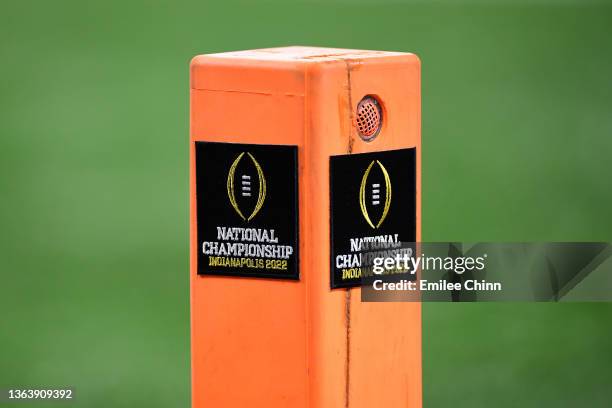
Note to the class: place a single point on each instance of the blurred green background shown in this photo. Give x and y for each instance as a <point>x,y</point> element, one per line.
<point>517,144</point>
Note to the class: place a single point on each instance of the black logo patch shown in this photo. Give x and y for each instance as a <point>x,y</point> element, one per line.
<point>373,210</point>
<point>247,210</point>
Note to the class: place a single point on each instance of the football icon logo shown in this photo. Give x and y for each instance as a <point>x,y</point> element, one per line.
<point>251,186</point>
<point>375,194</point>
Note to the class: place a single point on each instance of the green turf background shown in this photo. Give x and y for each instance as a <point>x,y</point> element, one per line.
<point>517,145</point>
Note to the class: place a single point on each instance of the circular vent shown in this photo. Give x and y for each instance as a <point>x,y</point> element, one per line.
<point>369,118</point>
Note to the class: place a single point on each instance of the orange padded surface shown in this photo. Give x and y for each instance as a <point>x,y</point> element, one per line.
<point>272,343</point>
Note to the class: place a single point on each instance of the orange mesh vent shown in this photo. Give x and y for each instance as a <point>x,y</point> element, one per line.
<point>369,118</point>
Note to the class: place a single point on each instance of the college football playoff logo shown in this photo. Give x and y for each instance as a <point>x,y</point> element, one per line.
<point>248,192</point>
<point>375,194</point>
